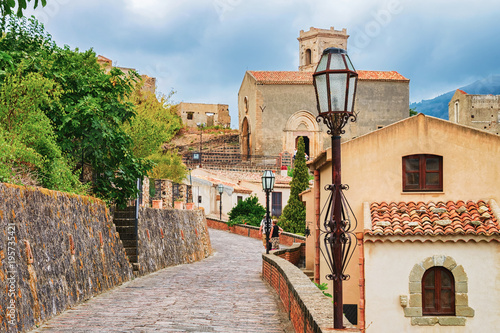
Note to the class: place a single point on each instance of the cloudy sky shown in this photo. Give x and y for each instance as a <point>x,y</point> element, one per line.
<point>202,48</point>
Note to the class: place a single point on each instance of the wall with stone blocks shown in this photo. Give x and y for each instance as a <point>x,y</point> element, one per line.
<point>308,309</point>
<point>56,250</point>
<point>59,249</point>
<point>169,237</point>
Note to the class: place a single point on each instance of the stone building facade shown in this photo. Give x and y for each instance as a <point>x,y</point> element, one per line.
<point>277,107</point>
<point>478,111</point>
<point>208,114</point>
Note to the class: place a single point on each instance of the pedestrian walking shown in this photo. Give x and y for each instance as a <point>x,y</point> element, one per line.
<point>275,235</point>
<point>262,231</point>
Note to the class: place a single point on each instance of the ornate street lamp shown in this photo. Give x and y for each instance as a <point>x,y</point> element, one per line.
<point>268,185</point>
<point>220,189</point>
<point>335,81</point>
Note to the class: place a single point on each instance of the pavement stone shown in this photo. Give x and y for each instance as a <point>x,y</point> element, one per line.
<point>223,293</point>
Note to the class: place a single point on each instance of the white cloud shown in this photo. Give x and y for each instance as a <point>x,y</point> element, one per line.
<point>161,11</point>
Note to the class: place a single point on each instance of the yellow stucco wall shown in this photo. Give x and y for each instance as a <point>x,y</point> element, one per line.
<point>372,167</point>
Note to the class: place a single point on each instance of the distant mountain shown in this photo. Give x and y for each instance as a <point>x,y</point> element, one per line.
<point>438,107</point>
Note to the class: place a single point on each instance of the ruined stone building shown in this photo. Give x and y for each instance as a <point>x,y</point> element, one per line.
<point>277,107</point>
<point>478,111</point>
<point>193,114</point>
<point>149,82</point>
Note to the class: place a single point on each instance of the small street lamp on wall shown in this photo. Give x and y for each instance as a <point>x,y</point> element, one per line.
<point>268,180</point>
<point>220,189</point>
<point>335,82</point>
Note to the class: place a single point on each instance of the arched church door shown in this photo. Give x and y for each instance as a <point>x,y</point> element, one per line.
<point>306,144</point>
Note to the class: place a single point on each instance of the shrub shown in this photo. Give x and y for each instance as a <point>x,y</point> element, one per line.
<point>248,211</point>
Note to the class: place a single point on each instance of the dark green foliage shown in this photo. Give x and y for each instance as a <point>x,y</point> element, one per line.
<point>7,6</point>
<point>248,211</point>
<point>28,149</point>
<point>90,109</point>
<point>293,218</point>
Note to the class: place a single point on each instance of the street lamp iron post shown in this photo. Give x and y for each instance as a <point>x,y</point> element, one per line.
<point>335,82</point>
<point>220,189</point>
<point>268,180</point>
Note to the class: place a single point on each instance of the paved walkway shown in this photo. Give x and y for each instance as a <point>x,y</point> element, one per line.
<point>223,293</point>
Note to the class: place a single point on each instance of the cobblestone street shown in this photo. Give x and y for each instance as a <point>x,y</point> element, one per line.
<point>223,293</point>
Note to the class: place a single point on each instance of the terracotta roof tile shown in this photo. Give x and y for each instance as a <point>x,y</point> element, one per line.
<point>433,219</point>
<point>381,76</point>
<point>295,77</point>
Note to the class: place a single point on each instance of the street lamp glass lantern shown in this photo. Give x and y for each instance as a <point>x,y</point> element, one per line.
<point>335,81</point>
<point>220,188</point>
<point>268,180</point>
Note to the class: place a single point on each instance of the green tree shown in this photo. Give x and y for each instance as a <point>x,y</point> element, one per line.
<point>248,211</point>
<point>7,6</point>
<point>293,218</point>
<point>90,111</point>
<point>413,112</point>
<point>29,152</point>
<point>155,124</point>
<point>156,121</point>
<point>168,165</point>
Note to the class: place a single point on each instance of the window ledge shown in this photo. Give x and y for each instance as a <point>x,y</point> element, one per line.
<point>442,321</point>
<point>423,192</point>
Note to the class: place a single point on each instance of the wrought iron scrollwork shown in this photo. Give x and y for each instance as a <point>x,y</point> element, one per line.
<point>336,121</point>
<point>345,237</point>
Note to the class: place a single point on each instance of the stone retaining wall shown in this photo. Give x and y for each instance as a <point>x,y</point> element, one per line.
<point>56,250</point>
<point>308,309</point>
<point>169,237</point>
<point>59,249</point>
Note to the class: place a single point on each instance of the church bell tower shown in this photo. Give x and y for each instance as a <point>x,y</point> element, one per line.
<point>313,42</point>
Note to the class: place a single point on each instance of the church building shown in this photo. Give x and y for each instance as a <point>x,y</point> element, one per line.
<point>275,108</point>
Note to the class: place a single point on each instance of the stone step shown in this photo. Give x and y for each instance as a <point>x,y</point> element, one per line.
<point>133,258</point>
<point>128,236</point>
<point>309,273</point>
<point>124,222</point>
<point>131,250</point>
<point>129,243</point>
<point>126,229</point>
<point>124,214</point>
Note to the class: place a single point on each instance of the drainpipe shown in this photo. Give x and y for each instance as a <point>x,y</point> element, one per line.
<point>317,212</point>
<point>361,321</point>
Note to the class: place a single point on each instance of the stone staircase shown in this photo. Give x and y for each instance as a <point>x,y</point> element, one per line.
<point>309,273</point>
<point>124,220</point>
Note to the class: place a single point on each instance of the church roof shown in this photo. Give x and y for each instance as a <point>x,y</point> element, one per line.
<point>282,77</point>
<point>432,219</point>
<point>296,77</point>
